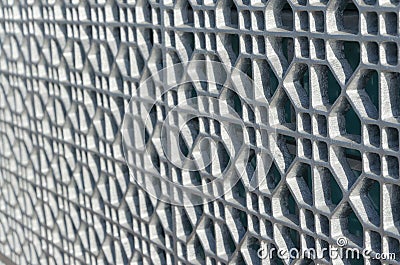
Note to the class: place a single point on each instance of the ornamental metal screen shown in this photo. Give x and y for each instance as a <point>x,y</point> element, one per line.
<point>306,141</point>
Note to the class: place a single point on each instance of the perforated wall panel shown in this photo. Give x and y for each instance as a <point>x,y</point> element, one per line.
<point>320,122</point>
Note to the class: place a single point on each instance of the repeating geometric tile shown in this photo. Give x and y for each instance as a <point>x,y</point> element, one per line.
<point>329,71</point>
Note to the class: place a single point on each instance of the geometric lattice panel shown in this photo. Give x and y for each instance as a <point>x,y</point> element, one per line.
<point>327,81</point>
